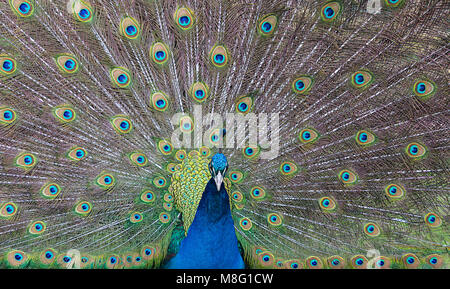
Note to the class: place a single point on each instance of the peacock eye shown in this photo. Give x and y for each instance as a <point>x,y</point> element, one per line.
<point>159,101</point>
<point>244,104</point>
<point>82,11</point>
<point>219,56</point>
<point>129,27</point>
<point>121,77</point>
<point>7,65</point>
<point>67,64</point>
<point>364,138</point>
<point>416,150</point>
<point>184,18</point>
<point>105,180</point>
<point>330,11</point>
<point>23,8</point>
<point>7,116</point>
<point>138,159</point>
<point>245,224</point>
<point>348,177</point>
<point>136,217</point>
<point>267,25</point>
<point>393,3</point>
<point>372,229</point>
<point>288,168</point>
<point>302,85</point>
<point>64,114</point>
<point>159,53</point>
<point>361,79</point>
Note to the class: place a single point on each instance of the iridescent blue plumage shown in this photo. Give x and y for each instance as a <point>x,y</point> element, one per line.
<point>211,241</point>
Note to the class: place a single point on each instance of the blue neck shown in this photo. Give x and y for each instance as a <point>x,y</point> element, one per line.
<point>211,242</point>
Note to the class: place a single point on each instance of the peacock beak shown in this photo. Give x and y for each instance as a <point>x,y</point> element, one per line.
<point>219,180</point>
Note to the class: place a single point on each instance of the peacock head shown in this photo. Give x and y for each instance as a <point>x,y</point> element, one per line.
<point>218,167</point>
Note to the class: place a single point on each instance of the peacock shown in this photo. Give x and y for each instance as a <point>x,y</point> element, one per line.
<point>280,134</point>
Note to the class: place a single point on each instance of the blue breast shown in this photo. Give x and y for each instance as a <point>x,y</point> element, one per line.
<point>211,242</point>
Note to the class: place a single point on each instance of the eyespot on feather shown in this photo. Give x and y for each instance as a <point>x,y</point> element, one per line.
<point>215,138</point>
<point>244,104</point>
<point>159,53</point>
<point>361,79</point>
<point>77,154</point>
<point>313,262</point>
<point>308,135</point>
<point>186,124</point>
<point>159,101</point>
<point>424,89</point>
<point>7,116</point>
<point>434,260</point>
<point>205,151</point>
<point>336,262</point>
<point>37,228</point>
<point>67,63</point>
<point>393,3</point>
<point>164,218</point>
<point>236,177</point>
<point>237,197</point>
<point>26,161</point>
<point>199,91</point>
<point>105,180</point>
<point>274,219</point>
<point>293,264</point>
<point>22,8</point>
<point>394,191</point>
<point>50,191</point>
<point>302,84</point>
<point>48,256</point>
<point>365,138</point>
<point>120,77</point>
<point>347,177</point>
<point>266,259</point>
<point>129,27</point>
<point>371,229</point>
<point>410,261</point>
<point>17,258</point>
<point>165,147</point>
<point>168,206</point>
<point>64,114</point>
<point>330,11</point>
<point>147,196</point>
<point>359,262</point>
<point>83,208</point>
<point>168,197</point>
<point>433,220</point>
<point>8,65</point>
<point>8,210</point>
<point>382,262</point>
<point>82,11</point>
<point>121,124</point>
<point>113,262</point>
<point>136,217</point>
<point>159,182</point>
<point>245,224</point>
<point>327,204</point>
<point>251,152</point>
<point>184,18</point>
<point>219,56</point>
<point>288,168</point>
<point>257,193</point>
<point>267,25</point>
<point>138,159</point>
<point>416,150</point>
<point>148,252</point>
